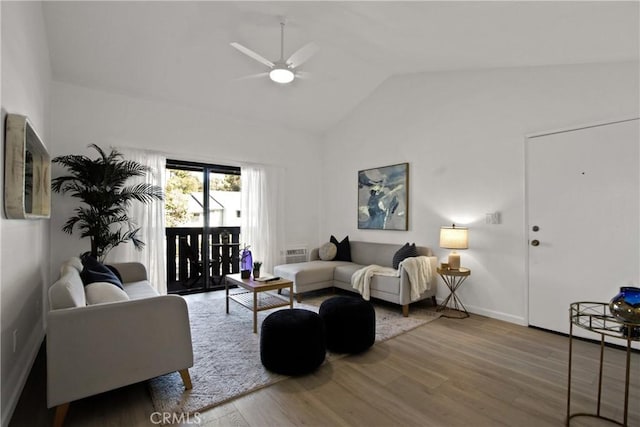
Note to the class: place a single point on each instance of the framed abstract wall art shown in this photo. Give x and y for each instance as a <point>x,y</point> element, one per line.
<point>383,198</point>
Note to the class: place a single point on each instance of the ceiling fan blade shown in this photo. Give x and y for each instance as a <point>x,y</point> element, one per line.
<point>301,56</point>
<point>251,77</point>
<point>303,75</point>
<point>253,55</point>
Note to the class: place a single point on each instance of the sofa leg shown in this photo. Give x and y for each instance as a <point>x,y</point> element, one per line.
<point>433,301</point>
<point>405,310</point>
<point>299,298</point>
<point>186,379</point>
<point>61,413</point>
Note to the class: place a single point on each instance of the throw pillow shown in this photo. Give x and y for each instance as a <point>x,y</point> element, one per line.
<point>115,271</point>
<point>88,260</point>
<point>95,271</point>
<point>328,251</point>
<point>408,250</point>
<point>104,292</point>
<point>343,249</point>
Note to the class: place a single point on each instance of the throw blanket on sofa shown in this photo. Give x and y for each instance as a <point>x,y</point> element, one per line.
<point>361,279</point>
<point>418,270</point>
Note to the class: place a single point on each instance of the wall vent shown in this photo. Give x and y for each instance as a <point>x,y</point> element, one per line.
<point>297,254</point>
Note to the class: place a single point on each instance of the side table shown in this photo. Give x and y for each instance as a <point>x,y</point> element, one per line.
<point>453,279</point>
<point>596,317</point>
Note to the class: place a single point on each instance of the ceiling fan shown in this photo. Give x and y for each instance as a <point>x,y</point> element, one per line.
<point>282,71</point>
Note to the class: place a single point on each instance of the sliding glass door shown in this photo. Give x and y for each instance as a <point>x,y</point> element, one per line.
<point>203,225</point>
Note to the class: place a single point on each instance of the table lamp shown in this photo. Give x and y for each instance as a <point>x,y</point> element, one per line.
<point>454,238</point>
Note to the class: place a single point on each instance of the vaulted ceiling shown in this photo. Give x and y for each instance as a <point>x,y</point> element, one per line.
<point>179,52</point>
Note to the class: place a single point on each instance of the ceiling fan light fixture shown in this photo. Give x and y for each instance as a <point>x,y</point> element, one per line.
<point>281,74</point>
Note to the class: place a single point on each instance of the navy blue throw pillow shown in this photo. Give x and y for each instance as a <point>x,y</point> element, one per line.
<point>407,251</point>
<point>344,249</point>
<point>95,271</point>
<point>114,271</point>
<point>88,260</point>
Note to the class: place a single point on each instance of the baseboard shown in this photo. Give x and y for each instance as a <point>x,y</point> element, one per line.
<point>32,348</point>
<point>518,320</point>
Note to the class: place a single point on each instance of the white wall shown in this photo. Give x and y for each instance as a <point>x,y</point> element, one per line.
<point>463,136</point>
<point>82,116</point>
<point>24,255</point>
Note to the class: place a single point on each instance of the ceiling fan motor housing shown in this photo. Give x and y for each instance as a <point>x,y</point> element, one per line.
<point>281,73</point>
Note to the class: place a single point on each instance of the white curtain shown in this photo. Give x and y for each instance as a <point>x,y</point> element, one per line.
<point>150,217</point>
<point>262,214</point>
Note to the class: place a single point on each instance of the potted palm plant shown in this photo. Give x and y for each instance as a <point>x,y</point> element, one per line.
<point>100,184</point>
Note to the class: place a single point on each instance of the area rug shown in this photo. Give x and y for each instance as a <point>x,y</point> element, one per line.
<point>227,352</point>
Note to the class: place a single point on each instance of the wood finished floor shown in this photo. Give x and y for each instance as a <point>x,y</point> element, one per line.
<point>451,372</point>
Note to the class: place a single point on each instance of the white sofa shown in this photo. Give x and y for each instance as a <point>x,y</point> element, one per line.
<point>317,274</point>
<point>123,338</point>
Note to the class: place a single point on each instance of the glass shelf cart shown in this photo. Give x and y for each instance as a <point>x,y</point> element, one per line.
<point>596,317</point>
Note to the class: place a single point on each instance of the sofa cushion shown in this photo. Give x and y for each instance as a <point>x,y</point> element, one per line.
<point>344,249</point>
<point>104,292</point>
<point>408,250</point>
<point>139,290</point>
<point>367,253</point>
<point>387,284</point>
<point>68,290</point>
<point>328,251</point>
<point>302,273</point>
<point>343,273</point>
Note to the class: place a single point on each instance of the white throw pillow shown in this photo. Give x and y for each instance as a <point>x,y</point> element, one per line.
<point>328,251</point>
<point>104,292</point>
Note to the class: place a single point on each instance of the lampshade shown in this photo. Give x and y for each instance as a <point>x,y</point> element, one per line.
<point>454,237</point>
<point>281,74</point>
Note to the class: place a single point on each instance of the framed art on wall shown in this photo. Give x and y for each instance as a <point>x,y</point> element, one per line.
<point>383,198</point>
<point>27,171</point>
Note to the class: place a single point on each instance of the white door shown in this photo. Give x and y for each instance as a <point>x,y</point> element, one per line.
<point>583,195</point>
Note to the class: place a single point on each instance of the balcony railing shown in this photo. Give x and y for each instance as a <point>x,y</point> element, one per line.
<point>197,260</point>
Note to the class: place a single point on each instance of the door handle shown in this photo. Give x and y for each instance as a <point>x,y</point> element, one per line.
<point>535,242</point>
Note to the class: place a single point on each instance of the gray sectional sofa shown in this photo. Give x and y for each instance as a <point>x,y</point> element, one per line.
<point>317,274</point>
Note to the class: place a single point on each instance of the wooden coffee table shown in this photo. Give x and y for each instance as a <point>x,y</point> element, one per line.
<point>250,298</point>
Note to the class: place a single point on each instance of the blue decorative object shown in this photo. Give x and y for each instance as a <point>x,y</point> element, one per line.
<point>626,307</point>
<point>246,263</point>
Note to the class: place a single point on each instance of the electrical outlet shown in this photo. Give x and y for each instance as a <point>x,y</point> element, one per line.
<point>15,340</point>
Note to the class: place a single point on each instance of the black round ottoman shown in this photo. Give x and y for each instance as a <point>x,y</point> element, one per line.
<point>292,341</point>
<point>350,324</point>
